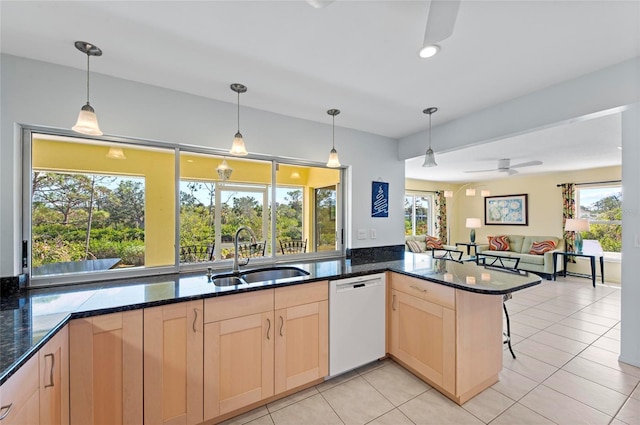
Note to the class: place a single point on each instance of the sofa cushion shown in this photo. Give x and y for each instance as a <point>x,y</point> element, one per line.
<point>539,248</point>
<point>528,241</point>
<point>530,259</point>
<point>498,243</point>
<point>515,243</point>
<point>433,242</point>
<point>414,246</point>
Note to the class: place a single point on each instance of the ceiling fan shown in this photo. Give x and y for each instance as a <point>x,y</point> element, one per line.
<point>504,166</point>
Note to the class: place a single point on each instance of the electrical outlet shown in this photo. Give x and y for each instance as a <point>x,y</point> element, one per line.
<point>362,234</point>
<point>373,233</point>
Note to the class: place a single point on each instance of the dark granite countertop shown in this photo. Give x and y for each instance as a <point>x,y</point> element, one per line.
<point>32,317</point>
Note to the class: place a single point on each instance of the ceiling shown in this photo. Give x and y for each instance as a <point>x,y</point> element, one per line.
<point>358,56</point>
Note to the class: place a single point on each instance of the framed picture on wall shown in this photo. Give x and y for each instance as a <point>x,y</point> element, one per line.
<point>511,210</point>
<point>380,199</point>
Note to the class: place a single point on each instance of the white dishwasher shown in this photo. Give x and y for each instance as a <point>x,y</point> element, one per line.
<point>356,322</point>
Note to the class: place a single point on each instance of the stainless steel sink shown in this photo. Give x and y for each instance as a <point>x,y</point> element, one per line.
<point>228,281</point>
<point>262,275</point>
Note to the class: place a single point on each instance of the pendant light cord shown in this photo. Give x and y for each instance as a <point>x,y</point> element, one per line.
<point>88,78</point>
<point>333,134</point>
<point>238,111</point>
<point>430,130</point>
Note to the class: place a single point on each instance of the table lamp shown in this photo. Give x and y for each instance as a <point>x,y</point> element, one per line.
<point>577,225</point>
<point>473,224</point>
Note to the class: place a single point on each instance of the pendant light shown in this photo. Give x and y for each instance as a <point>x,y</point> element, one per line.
<point>429,158</point>
<point>116,153</point>
<point>87,121</point>
<point>238,148</point>
<point>333,162</point>
<point>224,171</point>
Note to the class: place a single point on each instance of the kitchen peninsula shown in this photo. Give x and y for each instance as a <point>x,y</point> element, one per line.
<point>460,306</point>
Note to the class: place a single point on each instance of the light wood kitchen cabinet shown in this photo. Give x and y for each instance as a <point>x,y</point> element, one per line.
<point>302,334</point>
<point>422,337</point>
<point>449,337</point>
<point>19,396</point>
<point>106,374</point>
<point>239,336</point>
<point>54,379</point>
<point>173,368</point>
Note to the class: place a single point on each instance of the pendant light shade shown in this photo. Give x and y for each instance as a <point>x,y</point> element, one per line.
<point>238,148</point>
<point>429,157</point>
<point>116,153</point>
<point>333,162</point>
<point>87,121</point>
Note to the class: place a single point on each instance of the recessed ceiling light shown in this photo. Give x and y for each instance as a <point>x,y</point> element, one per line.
<point>429,51</point>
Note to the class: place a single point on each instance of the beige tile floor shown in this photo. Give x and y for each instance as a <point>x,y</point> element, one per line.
<point>566,338</point>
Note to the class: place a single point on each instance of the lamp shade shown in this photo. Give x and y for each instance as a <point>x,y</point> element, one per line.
<point>473,223</point>
<point>87,122</point>
<point>448,193</point>
<point>238,148</point>
<point>576,225</point>
<point>429,159</point>
<point>333,161</point>
<point>116,153</point>
<point>470,192</point>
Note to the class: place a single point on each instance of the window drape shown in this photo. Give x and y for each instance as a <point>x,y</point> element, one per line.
<point>441,217</point>
<point>568,211</point>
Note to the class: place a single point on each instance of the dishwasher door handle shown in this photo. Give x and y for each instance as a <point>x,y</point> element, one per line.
<point>343,287</point>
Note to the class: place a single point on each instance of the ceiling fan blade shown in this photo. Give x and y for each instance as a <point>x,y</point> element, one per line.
<point>511,172</point>
<point>440,20</point>
<point>482,171</point>
<point>527,164</point>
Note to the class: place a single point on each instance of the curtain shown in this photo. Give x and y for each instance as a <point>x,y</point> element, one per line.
<point>441,216</point>
<point>568,211</point>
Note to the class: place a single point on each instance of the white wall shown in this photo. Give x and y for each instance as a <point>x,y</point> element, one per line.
<point>38,93</point>
<point>630,332</point>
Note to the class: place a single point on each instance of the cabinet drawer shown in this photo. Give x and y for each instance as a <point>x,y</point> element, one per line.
<point>17,393</point>
<point>306,293</point>
<point>228,307</point>
<point>429,291</point>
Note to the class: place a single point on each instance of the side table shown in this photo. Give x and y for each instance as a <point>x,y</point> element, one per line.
<point>591,257</point>
<point>469,245</point>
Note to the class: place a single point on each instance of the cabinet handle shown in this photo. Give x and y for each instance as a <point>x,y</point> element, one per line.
<point>195,312</point>
<point>281,325</point>
<point>53,363</point>
<point>418,289</point>
<point>393,303</point>
<point>7,409</point>
<point>268,328</point>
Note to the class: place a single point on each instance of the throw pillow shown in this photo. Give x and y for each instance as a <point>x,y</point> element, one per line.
<point>540,248</point>
<point>414,246</point>
<point>433,242</point>
<point>498,243</point>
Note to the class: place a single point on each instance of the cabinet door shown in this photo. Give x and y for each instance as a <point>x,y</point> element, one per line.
<point>19,396</point>
<point>106,373</point>
<point>173,344</point>
<point>423,337</point>
<point>301,345</point>
<point>238,362</point>
<point>54,379</point>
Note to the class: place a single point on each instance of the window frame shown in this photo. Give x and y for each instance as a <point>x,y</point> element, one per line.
<point>609,255</point>
<point>431,196</point>
<point>28,132</point>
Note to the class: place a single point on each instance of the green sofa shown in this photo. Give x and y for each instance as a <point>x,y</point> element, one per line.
<point>519,247</point>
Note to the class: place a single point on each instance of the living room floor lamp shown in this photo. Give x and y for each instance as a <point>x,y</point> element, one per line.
<point>473,224</point>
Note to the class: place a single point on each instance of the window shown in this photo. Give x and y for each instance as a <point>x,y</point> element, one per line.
<point>94,212</point>
<point>603,207</point>
<point>418,214</point>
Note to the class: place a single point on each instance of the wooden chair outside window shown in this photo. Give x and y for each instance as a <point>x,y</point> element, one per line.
<point>252,250</point>
<point>293,247</point>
